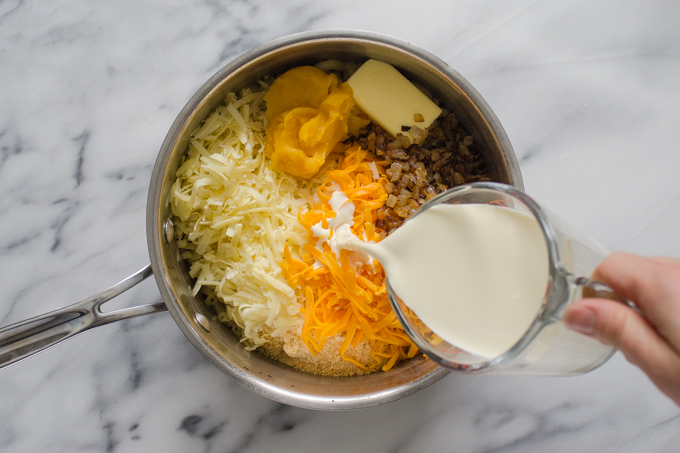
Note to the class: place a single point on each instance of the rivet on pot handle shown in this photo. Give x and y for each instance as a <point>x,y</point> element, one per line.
<point>33,335</point>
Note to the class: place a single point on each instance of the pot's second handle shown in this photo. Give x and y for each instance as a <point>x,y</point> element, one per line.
<point>26,338</point>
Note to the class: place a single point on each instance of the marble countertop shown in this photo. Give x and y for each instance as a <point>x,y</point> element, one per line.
<point>588,93</point>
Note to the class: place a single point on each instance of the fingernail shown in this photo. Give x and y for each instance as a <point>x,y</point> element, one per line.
<point>582,320</point>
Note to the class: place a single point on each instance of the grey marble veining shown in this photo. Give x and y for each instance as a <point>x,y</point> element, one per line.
<point>588,93</point>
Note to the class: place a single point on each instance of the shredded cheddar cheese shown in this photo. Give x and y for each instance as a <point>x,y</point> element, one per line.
<point>343,294</point>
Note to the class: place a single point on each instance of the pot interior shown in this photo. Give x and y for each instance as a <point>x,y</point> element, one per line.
<point>218,343</point>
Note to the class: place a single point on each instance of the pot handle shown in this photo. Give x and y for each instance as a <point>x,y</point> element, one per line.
<point>33,335</point>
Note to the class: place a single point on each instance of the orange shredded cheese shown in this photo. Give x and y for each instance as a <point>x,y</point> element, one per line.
<point>341,297</point>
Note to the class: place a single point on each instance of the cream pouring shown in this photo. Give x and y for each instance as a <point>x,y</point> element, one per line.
<point>475,274</point>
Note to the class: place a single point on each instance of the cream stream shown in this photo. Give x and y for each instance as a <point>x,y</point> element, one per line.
<point>475,274</point>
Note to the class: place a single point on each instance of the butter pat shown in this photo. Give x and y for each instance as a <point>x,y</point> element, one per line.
<point>391,100</point>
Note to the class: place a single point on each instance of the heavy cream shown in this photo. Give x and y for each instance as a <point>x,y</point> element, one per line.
<point>475,274</point>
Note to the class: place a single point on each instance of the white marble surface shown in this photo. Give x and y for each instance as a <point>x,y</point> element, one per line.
<point>588,93</point>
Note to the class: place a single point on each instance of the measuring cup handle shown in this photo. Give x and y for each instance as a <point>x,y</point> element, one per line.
<point>31,336</point>
<point>592,288</point>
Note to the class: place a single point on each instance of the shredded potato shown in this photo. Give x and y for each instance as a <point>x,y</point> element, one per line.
<point>233,217</point>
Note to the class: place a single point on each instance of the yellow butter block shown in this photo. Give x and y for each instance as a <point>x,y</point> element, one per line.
<point>391,100</point>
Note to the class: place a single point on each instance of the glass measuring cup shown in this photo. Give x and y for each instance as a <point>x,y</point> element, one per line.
<point>548,347</point>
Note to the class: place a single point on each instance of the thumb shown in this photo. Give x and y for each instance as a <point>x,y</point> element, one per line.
<point>617,325</point>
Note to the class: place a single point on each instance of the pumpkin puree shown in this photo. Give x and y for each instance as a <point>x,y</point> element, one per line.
<point>309,112</point>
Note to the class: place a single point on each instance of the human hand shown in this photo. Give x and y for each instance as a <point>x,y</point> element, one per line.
<point>651,342</point>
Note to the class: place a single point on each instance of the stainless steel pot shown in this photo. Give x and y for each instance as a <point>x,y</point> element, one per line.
<point>216,342</point>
